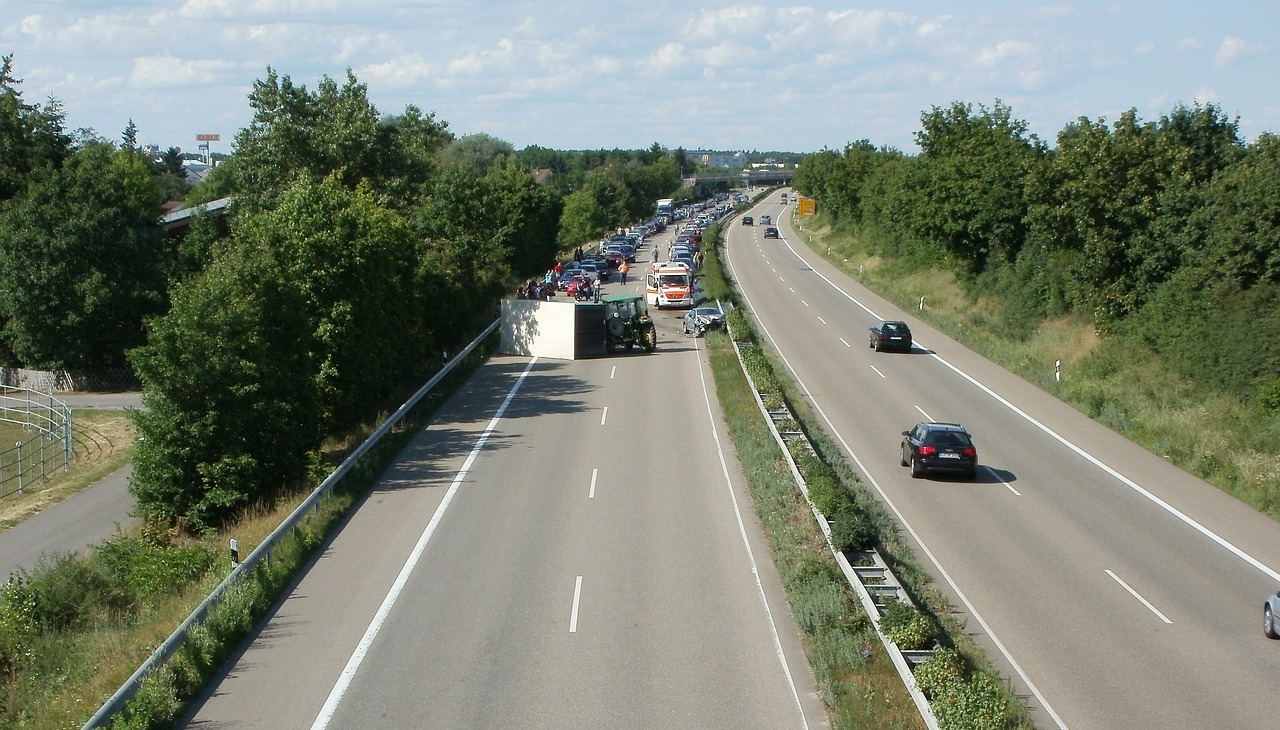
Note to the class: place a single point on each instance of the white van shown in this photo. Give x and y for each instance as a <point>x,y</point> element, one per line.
<point>669,284</point>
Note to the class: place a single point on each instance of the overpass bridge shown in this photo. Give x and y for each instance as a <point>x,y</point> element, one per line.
<point>746,177</point>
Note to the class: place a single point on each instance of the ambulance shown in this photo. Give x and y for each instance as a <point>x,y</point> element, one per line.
<point>669,284</point>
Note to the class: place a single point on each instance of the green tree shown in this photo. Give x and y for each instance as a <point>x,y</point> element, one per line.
<point>583,218</point>
<point>523,215</point>
<point>229,392</point>
<point>171,175</point>
<point>974,200</point>
<point>353,262</point>
<point>409,146</point>
<point>477,153</point>
<point>31,137</point>
<point>296,133</point>
<point>1118,201</point>
<point>82,261</point>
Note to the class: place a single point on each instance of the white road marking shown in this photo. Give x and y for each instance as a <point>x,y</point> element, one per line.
<point>1136,595</point>
<point>577,598</point>
<point>884,496</point>
<point>820,319</point>
<point>592,492</point>
<point>846,344</point>
<point>362,649</point>
<point>877,371</point>
<point>804,302</point>
<point>746,543</point>
<point>604,414</point>
<point>1186,519</point>
<point>927,417</point>
<point>612,371</point>
<point>1007,485</point>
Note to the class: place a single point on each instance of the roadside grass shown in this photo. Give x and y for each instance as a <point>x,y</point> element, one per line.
<point>1230,443</point>
<point>857,679</point>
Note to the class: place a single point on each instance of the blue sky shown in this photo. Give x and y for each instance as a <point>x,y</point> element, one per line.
<point>573,74</point>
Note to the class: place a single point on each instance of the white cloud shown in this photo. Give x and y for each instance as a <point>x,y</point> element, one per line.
<point>1232,48</point>
<point>401,72</point>
<point>669,57</point>
<point>162,72</point>
<point>1204,96</point>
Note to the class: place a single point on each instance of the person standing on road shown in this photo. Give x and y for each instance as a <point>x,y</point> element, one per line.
<point>655,253</point>
<point>623,268</point>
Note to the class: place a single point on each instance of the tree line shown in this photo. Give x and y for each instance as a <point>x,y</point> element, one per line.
<point>1165,232</point>
<point>357,248</point>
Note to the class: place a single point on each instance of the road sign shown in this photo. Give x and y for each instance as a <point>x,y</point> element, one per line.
<point>208,137</point>
<point>806,206</point>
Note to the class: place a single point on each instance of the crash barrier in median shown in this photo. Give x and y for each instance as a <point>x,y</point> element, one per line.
<point>50,446</point>
<point>875,584</point>
<point>262,553</point>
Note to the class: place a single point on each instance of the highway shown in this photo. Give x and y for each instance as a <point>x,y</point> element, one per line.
<point>568,544</point>
<point>1113,589</point>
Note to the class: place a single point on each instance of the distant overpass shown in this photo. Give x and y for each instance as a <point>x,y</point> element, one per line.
<point>752,177</point>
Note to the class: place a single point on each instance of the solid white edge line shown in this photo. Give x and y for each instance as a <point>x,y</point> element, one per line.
<point>1138,596</point>
<point>746,543</point>
<point>573,613</point>
<point>1004,651</point>
<point>1221,541</point>
<point>362,649</point>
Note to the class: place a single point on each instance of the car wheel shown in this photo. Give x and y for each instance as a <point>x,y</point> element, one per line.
<point>871,342</point>
<point>916,470</point>
<point>902,457</point>
<point>1269,623</point>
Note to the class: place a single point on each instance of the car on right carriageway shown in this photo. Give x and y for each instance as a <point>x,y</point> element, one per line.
<point>933,447</point>
<point>890,335</point>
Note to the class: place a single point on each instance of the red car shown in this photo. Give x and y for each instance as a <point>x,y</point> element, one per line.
<point>577,282</point>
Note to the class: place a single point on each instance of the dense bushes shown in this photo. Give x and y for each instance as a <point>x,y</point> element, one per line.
<point>1164,230</point>
<point>115,584</point>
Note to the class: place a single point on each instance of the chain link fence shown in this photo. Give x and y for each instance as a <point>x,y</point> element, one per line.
<point>70,381</point>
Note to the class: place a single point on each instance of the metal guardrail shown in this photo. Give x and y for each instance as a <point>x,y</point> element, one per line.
<point>902,659</point>
<point>52,445</point>
<point>171,645</point>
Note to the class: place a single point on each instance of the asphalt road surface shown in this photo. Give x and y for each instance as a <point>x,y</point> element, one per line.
<point>569,544</point>
<point>87,518</point>
<point>1114,590</point>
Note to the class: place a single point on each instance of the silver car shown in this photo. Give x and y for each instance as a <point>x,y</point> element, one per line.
<point>700,319</point>
<point>1269,611</point>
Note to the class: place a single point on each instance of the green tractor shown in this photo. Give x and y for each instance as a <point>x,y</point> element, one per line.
<point>627,323</point>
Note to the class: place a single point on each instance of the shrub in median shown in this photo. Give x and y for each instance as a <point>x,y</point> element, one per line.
<point>907,627</point>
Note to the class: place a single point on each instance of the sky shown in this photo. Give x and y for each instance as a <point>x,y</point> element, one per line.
<point>585,74</point>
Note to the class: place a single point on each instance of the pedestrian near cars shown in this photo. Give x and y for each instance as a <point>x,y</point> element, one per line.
<point>623,268</point>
